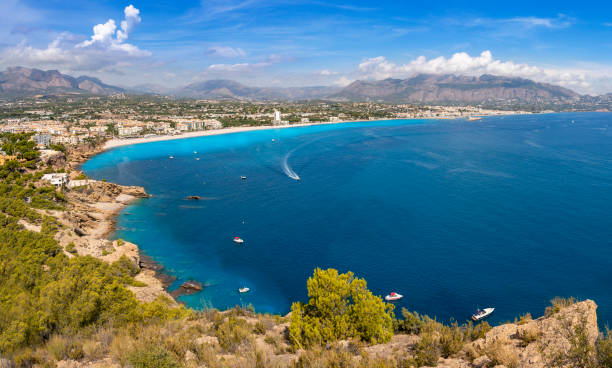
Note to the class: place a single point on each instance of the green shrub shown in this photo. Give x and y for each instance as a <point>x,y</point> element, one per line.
<point>70,248</point>
<point>427,351</point>
<point>604,349</point>
<point>412,322</point>
<point>153,357</point>
<point>477,332</point>
<point>339,307</point>
<point>232,333</point>
<point>451,340</point>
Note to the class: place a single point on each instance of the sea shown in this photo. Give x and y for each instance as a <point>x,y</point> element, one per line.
<point>505,212</point>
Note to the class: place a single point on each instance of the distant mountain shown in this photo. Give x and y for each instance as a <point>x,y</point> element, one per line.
<point>423,88</point>
<point>231,90</point>
<point>430,88</point>
<point>20,81</point>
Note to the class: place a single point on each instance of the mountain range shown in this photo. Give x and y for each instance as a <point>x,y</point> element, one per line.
<point>422,88</point>
<point>452,88</point>
<point>20,81</point>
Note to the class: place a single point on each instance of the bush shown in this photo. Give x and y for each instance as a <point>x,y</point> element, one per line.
<point>259,328</point>
<point>479,331</point>
<point>528,335</point>
<point>153,357</point>
<point>525,318</point>
<point>70,248</point>
<point>451,340</point>
<point>412,322</point>
<point>501,353</point>
<point>558,303</point>
<point>339,307</point>
<point>232,333</point>
<point>427,351</point>
<point>604,349</point>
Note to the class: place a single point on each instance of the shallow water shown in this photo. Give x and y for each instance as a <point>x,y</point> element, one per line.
<point>505,212</point>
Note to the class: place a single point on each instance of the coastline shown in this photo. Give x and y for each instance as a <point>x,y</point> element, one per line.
<point>118,142</point>
<point>115,142</point>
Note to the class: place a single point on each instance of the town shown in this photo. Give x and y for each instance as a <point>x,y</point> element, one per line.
<point>82,119</point>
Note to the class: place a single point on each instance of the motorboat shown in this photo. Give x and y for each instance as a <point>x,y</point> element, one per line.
<point>243,177</point>
<point>482,313</point>
<point>393,297</point>
<point>243,290</point>
<point>171,157</point>
<point>238,240</point>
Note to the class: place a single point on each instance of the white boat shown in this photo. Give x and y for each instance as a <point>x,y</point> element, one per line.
<point>243,177</point>
<point>171,157</point>
<point>238,240</point>
<point>482,313</point>
<point>393,297</point>
<point>243,290</point>
<point>197,159</point>
<point>474,118</point>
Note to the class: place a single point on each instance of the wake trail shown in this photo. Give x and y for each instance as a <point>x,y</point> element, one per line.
<point>285,164</point>
<point>287,169</point>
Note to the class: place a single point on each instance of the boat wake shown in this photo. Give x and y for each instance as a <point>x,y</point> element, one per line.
<point>287,169</point>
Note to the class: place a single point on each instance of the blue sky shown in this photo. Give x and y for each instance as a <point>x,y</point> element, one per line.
<point>295,43</point>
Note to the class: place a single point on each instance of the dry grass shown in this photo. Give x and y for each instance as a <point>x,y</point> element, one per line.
<point>501,352</point>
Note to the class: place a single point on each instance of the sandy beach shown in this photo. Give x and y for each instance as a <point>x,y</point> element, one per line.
<point>129,141</point>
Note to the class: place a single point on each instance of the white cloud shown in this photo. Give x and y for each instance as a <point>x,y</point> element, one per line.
<point>109,37</point>
<point>226,52</point>
<point>462,63</point>
<point>105,50</point>
<point>327,72</point>
<point>343,81</point>
<point>561,21</point>
<point>245,67</point>
<point>132,17</point>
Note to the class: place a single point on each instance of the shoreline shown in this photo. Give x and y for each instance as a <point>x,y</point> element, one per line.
<point>117,142</point>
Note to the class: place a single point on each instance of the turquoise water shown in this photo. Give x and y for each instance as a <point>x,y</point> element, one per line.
<point>505,212</point>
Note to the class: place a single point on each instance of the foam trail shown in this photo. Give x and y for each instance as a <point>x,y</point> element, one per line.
<point>285,165</point>
<point>287,169</point>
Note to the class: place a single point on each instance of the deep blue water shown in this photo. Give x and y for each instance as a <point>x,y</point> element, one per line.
<point>506,212</point>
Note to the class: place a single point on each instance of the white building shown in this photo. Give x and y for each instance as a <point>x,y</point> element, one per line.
<point>277,116</point>
<point>212,124</point>
<point>57,179</point>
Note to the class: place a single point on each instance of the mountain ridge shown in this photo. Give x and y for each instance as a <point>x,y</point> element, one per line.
<point>451,88</point>
<point>421,88</point>
<point>19,81</point>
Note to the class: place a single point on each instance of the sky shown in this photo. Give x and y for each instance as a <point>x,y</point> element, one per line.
<point>310,43</point>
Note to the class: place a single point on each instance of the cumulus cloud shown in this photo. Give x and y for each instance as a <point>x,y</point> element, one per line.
<point>462,63</point>
<point>105,50</point>
<point>225,52</point>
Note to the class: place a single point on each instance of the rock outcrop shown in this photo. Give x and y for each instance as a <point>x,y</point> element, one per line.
<point>539,343</point>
